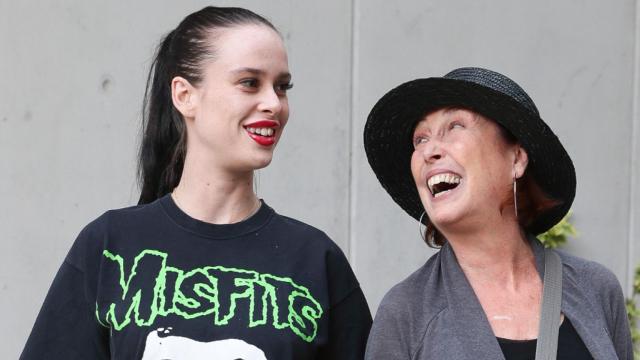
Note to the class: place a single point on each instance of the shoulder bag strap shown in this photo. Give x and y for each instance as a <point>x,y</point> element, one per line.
<point>547,344</point>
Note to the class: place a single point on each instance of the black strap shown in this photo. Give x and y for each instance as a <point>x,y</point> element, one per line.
<point>547,344</point>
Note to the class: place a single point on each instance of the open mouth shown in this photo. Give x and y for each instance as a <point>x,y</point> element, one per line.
<point>262,132</point>
<point>441,184</point>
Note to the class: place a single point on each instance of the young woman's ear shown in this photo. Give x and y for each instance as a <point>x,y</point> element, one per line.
<point>520,162</point>
<point>183,95</point>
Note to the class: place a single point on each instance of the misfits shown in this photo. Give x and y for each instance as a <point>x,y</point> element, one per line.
<point>151,288</point>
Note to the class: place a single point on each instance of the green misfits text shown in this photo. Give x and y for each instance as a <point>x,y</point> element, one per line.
<point>151,288</point>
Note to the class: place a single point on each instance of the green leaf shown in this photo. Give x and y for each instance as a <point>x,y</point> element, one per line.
<point>557,235</point>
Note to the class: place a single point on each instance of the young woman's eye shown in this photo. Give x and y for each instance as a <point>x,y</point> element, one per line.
<point>249,83</point>
<point>283,88</point>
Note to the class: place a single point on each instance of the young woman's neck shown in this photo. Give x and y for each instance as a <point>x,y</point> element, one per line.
<point>214,195</point>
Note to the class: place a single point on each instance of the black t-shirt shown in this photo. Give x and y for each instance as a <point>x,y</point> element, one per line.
<point>150,282</point>
<point>570,346</point>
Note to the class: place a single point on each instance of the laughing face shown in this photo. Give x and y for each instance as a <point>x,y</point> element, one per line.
<point>237,113</point>
<point>463,168</point>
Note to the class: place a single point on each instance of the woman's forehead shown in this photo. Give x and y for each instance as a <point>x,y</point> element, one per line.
<point>238,41</point>
<point>248,49</point>
<point>445,114</point>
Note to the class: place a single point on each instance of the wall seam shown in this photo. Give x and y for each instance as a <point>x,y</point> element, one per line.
<point>352,136</point>
<point>634,176</point>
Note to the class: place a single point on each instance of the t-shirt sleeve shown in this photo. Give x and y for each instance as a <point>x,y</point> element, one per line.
<point>349,315</point>
<point>350,322</point>
<point>66,326</point>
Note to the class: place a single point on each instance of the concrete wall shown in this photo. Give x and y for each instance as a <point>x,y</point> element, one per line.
<point>73,75</point>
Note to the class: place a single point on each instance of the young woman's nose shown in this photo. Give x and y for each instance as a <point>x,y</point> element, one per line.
<point>270,102</point>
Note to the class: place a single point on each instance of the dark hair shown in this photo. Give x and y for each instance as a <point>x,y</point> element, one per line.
<point>532,200</point>
<point>181,53</point>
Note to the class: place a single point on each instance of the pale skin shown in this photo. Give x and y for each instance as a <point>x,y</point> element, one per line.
<point>478,218</point>
<point>246,81</point>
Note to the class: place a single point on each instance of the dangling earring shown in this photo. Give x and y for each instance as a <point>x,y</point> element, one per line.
<point>515,195</point>
<point>422,233</point>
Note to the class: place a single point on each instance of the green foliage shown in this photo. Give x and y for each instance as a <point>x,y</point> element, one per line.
<point>557,235</point>
<point>633,313</point>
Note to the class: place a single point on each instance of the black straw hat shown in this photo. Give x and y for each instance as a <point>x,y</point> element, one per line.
<point>389,130</point>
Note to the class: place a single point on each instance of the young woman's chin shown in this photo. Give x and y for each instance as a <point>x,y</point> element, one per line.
<point>262,163</point>
<point>255,162</point>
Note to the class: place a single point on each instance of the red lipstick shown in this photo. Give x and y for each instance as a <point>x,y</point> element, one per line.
<point>264,140</point>
<point>263,124</point>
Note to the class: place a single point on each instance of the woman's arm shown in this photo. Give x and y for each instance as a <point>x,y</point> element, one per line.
<point>349,325</point>
<point>387,339</point>
<point>619,329</point>
<point>349,315</point>
<point>66,327</point>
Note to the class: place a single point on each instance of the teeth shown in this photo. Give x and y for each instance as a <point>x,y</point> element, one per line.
<point>261,131</point>
<point>440,178</point>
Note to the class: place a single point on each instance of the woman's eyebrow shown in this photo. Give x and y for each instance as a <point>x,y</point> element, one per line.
<point>248,70</point>
<point>259,72</point>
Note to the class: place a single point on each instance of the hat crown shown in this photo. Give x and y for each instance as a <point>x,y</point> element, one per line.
<point>496,82</point>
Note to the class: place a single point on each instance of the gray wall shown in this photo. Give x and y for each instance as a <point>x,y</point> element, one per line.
<point>73,74</point>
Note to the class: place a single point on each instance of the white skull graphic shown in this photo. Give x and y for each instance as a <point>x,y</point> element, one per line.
<point>171,347</point>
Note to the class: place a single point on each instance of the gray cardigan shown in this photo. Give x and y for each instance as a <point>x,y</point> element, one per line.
<point>434,313</point>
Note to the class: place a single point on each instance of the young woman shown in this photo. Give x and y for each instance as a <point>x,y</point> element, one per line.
<point>202,268</point>
<point>469,156</point>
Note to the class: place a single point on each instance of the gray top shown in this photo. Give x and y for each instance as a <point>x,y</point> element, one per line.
<point>434,313</point>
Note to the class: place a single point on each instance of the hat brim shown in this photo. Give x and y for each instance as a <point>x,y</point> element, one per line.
<point>389,130</point>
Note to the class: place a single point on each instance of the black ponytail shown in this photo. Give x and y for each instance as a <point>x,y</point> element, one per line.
<point>164,136</point>
<point>181,53</point>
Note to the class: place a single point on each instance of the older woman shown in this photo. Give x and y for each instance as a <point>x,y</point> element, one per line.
<point>469,157</point>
